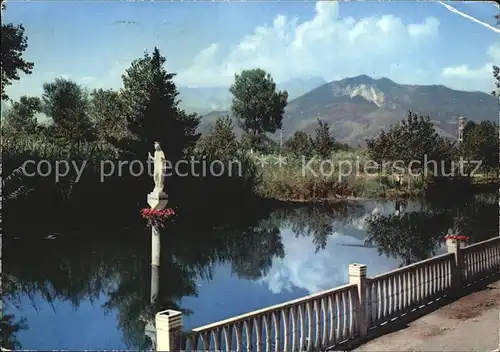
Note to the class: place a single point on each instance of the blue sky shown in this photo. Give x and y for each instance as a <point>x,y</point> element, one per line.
<point>206,43</point>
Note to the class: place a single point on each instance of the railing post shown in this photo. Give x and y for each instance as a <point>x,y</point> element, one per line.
<point>168,330</point>
<point>357,276</point>
<point>458,270</point>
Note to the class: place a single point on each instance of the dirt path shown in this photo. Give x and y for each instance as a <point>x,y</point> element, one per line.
<point>470,324</point>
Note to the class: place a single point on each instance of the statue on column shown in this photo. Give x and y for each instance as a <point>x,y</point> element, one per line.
<point>159,166</point>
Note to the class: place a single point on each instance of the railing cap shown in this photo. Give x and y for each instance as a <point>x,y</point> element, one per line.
<point>170,313</point>
<point>168,319</point>
<point>357,269</point>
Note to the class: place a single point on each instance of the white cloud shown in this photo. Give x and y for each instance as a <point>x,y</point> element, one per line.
<point>328,45</point>
<point>469,78</point>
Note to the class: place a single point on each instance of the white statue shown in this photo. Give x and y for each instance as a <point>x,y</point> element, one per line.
<point>159,166</point>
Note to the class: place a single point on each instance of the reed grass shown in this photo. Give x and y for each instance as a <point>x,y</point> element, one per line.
<point>339,176</point>
<point>40,148</point>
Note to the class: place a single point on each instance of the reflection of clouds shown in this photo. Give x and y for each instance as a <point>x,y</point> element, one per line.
<point>303,268</point>
<point>372,209</point>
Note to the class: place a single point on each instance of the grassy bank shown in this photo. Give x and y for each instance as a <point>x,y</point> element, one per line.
<point>296,178</point>
<point>342,177</point>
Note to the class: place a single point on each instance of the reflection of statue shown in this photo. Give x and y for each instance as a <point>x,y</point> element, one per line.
<point>159,165</point>
<point>400,207</point>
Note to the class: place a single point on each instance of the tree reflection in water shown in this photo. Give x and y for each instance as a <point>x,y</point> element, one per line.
<point>84,268</point>
<point>418,235</point>
<point>9,327</point>
<point>318,220</point>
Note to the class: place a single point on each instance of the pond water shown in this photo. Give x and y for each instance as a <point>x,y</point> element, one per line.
<point>92,291</point>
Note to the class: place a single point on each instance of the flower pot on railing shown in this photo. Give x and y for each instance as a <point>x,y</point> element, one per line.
<point>456,240</point>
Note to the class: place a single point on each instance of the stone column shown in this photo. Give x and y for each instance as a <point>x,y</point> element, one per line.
<point>157,201</point>
<point>357,276</point>
<point>455,246</point>
<point>168,330</point>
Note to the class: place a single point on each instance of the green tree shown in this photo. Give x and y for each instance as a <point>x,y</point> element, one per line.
<point>256,104</point>
<point>67,104</point>
<point>300,144</point>
<point>261,143</point>
<point>220,142</point>
<point>380,148</point>
<point>107,112</point>
<point>413,139</point>
<point>20,118</point>
<point>152,112</point>
<point>481,143</point>
<point>324,143</point>
<point>496,74</point>
<point>14,44</point>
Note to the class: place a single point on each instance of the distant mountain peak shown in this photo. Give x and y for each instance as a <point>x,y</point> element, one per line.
<point>359,107</point>
<point>361,79</point>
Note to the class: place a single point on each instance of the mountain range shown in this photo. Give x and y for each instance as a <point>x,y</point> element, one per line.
<point>356,107</point>
<point>359,107</point>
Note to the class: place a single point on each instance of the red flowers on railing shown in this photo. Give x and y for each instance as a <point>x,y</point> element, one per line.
<point>457,237</point>
<point>157,217</point>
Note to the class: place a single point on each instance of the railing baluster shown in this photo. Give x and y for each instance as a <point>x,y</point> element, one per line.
<point>317,324</point>
<point>434,289</point>
<point>380,301</point>
<point>275,317</point>
<point>400,292</point>
<point>295,332</point>
<point>428,277</point>
<point>385,298</point>
<point>345,309</point>
<point>194,342</point>
<point>352,296</point>
<point>217,336</point>
<point>238,327</point>
<point>267,330</point>
<point>206,341</point>
<point>310,322</point>
<point>406,278</point>
<point>324,323</point>
<point>390,296</point>
<point>257,325</point>
<point>338,317</point>
<point>247,328</point>
<point>331,335</point>
<point>285,316</point>
<point>369,298</point>
<point>302,327</point>
<point>226,333</point>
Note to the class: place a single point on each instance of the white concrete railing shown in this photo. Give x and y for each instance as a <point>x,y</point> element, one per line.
<point>326,319</point>
<point>312,322</point>
<point>481,260</point>
<point>400,291</point>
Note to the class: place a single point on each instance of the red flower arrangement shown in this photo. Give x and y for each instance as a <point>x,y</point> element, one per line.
<point>457,237</point>
<point>157,217</point>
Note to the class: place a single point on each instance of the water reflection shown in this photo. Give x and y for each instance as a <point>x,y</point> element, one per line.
<point>98,292</point>
<point>418,234</point>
